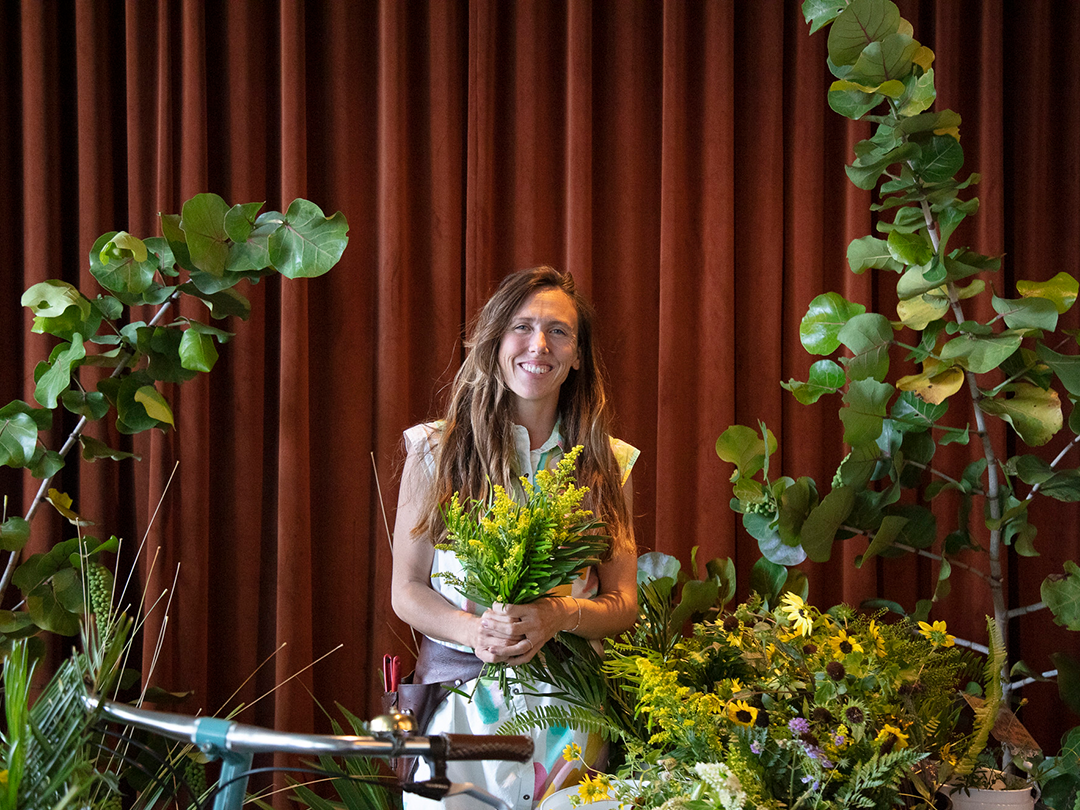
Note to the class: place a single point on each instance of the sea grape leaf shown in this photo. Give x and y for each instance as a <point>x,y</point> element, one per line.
<point>1034,413</point>
<point>981,353</point>
<point>119,270</point>
<point>197,351</point>
<point>93,449</point>
<point>821,525</point>
<point>861,23</point>
<point>1061,593</point>
<point>883,538</point>
<point>919,312</point>
<point>51,298</point>
<point>1065,366</point>
<point>866,402</point>
<point>1027,313</point>
<point>870,252</point>
<point>18,439</point>
<point>57,377</point>
<point>887,60</point>
<point>1062,289</point>
<point>203,221</point>
<point>827,314</point>
<point>826,377</point>
<point>819,13</point>
<point>939,159</point>
<point>14,532</point>
<point>935,383</point>
<point>909,248</point>
<point>746,449</point>
<point>309,243</point>
<point>869,336</point>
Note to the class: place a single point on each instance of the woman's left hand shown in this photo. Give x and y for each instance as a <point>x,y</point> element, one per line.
<point>537,623</point>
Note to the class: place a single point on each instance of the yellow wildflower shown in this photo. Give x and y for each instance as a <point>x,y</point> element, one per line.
<point>875,636</point>
<point>843,644</point>
<point>890,731</point>
<point>937,634</point>
<point>798,613</point>
<point>572,752</point>
<point>741,712</point>
<point>592,790</point>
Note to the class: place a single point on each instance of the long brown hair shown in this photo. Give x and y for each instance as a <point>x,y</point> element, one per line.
<point>475,448</point>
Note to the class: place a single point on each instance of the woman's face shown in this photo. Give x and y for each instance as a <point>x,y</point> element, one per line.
<point>540,347</point>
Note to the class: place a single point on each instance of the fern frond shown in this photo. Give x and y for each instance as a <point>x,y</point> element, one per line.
<point>985,715</point>
<point>574,717</point>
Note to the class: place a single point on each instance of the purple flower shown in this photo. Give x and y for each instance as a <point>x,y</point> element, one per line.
<point>755,747</point>
<point>799,725</point>
<point>807,779</point>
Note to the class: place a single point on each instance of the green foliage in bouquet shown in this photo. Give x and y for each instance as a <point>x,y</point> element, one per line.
<point>514,553</point>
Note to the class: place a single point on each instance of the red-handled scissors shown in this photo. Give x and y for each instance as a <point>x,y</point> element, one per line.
<point>391,669</point>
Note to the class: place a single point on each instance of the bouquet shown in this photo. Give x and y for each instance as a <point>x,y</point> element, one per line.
<point>516,552</point>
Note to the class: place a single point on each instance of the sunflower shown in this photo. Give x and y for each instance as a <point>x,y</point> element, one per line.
<point>937,634</point>
<point>741,712</point>
<point>843,644</point>
<point>798,613</point>
<point>890,737</point>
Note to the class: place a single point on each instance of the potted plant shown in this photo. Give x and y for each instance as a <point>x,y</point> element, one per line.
<point>1012,367</point>
<point>205,252</point>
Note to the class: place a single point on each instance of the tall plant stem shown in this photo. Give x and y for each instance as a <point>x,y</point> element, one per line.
<point>73,437</point>
<point>997,593</point>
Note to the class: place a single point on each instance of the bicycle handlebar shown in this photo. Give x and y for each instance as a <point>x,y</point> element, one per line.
<point>242,738</point>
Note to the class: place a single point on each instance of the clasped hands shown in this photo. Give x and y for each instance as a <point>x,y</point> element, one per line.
<point>514,634</point>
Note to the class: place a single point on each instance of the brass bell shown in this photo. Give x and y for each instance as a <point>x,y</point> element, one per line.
<point>394,723</point>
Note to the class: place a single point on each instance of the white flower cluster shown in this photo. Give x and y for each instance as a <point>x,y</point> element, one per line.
<point>724,784</point>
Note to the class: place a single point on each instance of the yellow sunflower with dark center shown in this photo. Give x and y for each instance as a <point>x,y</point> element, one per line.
<point>741,712</point>
<point>842,644</point>
<point>798,613</point>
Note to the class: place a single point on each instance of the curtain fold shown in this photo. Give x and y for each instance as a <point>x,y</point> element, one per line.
<point>678,157</point>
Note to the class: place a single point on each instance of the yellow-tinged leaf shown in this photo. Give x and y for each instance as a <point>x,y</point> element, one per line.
<point>971,290</point>
<point>933,386</point>
<point>1033,412</point>
<point>61,502</point>
<point>1061,289</point>
<point>124,241</point>
<point>905,27</point>
<point>954,131</point>
<point>915,313</point>
<point>924,57</point>
<point>155,404</point>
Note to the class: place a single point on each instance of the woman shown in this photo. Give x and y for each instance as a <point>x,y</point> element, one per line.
<point>531,387</point>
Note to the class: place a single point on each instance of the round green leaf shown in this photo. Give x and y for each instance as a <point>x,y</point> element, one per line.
<point>14,532</point>
<point>824,521</point>
<point>820,328</point>
<point>861,23</point>
<point>1061,593</point>
<point>939,159</point>
<point>869,337</point>
<point>1034,413</point>
<point>869,251</point>
<point>51,298</point>
<point>866,402</point>
<point>120,271</point>
<point>308,244</point>
<point>203,221</point>
<point>744,447</point>
<point>197,351</point>
<point>826,377</point>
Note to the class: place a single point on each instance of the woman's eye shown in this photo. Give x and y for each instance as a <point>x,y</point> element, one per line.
<point>521,327</point>
<point>558,331</point>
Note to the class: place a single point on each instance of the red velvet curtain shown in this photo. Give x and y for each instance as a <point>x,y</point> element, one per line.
<point>678,157</point>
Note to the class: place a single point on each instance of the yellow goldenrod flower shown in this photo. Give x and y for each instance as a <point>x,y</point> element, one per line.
<point>741,712</point>
<point>798,613</point>
<point>937,634</point>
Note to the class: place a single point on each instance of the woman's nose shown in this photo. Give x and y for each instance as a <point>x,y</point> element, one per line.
<point>538,342</point>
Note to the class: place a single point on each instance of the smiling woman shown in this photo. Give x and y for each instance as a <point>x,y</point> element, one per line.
<point>531,388</point>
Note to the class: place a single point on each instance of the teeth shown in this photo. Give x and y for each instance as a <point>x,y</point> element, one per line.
<point>529,367</point>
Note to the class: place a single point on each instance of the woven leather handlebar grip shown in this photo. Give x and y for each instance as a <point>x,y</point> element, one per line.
<point>489,746</point>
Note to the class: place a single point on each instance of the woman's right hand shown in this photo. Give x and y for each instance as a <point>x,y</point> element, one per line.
<point>497,633</point>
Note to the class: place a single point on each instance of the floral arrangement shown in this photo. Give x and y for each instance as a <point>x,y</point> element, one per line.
<point>789,708</point>
<point>513,552</point>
